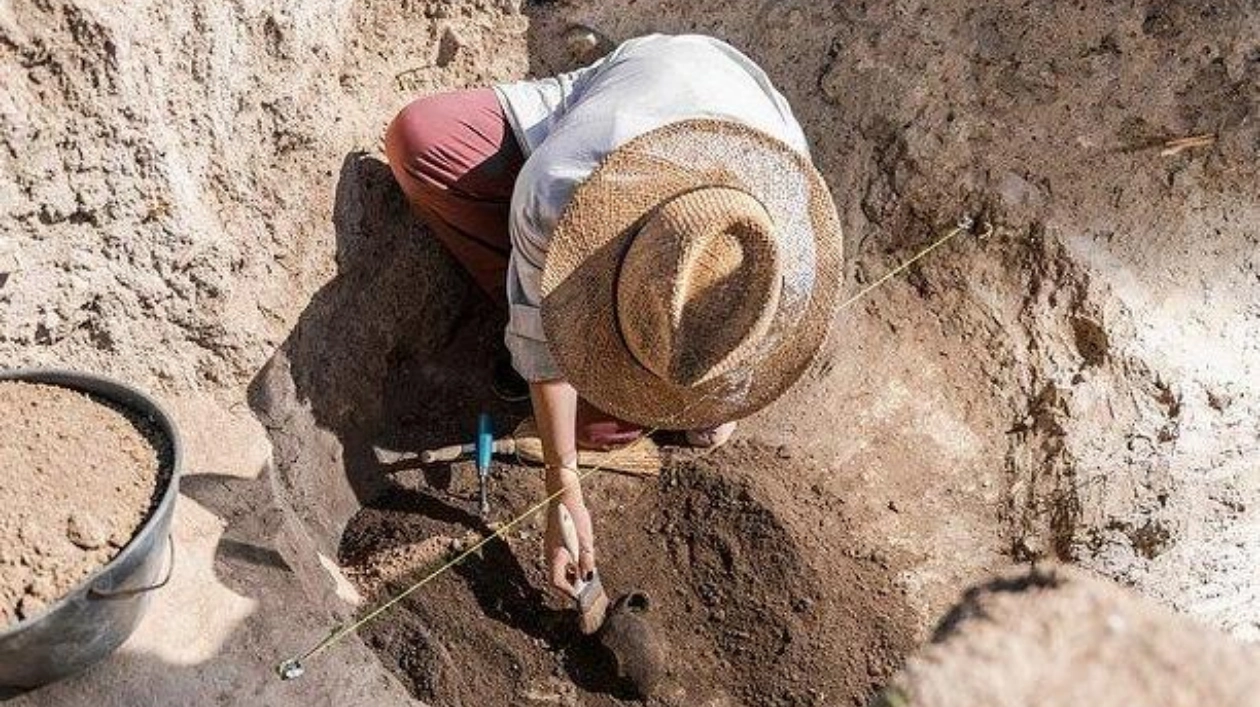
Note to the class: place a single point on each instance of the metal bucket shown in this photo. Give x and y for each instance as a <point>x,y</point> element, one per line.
<point>95,617</point>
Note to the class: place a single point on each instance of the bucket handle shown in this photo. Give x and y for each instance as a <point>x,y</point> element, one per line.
<point>123,593</point>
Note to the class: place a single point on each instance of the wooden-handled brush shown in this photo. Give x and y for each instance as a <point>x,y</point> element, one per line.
<point>590,600</point>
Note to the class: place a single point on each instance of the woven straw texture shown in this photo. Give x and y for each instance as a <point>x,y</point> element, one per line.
<point>694,257</point>
<point>580,276</point>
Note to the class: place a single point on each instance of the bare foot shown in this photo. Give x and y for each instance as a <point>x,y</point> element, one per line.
<point>711,438</point>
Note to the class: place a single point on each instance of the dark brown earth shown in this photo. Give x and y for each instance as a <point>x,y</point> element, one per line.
<point>77,478</point>
<point>756,605</point>
<point>192,196</point>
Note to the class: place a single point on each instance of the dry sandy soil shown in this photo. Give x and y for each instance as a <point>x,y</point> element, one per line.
<point>192,197</point>
<point>1056,637</point>
<point>77,478</point>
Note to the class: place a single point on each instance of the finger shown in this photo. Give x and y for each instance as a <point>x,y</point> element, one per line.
<point>586,540</point>
<point>586,562</point>
<point>561,568</point>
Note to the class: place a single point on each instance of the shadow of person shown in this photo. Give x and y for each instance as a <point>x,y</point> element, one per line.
<point>213,633</point>
<point>445,626</point>
<point>393,351</point>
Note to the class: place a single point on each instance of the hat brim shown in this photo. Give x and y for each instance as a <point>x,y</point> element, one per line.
<point>579,279</point>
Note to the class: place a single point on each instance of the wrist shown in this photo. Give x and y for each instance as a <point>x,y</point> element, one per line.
<point>563,476</point>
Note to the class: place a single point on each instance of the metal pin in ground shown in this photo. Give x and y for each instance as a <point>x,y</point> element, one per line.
<point>290,669</point>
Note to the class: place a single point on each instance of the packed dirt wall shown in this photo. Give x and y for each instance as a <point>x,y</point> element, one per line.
<point>192,197</point>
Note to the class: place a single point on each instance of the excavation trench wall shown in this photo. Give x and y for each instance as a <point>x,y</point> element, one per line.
<point>194,199</point>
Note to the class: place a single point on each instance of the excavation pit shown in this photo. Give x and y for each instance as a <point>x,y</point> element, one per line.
<point>197,209</point>
<point>759,587</point>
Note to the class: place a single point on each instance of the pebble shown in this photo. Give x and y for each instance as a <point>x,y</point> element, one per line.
<point>29,606</point>
<point>581,41</point>
<point>450,45</point>
<point>832,84</point>
<point>85,531</point>
<point>39,591</point>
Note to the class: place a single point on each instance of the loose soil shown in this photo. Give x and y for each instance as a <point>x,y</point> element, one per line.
<point>192,196</point>
<point>758,588</point>
<point>78,476</point>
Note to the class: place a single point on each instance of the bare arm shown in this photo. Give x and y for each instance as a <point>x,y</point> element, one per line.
<point>555,410</point>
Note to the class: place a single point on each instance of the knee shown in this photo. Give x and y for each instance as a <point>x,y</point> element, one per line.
<point>414,140</point>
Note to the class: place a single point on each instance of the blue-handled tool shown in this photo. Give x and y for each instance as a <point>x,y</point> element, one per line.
<point>485,450</point>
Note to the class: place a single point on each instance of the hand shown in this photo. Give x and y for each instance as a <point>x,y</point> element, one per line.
<point>564,569</point>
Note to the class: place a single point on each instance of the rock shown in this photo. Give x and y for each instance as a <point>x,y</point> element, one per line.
<point>29,606</point>
<point>85,531</point>
<point>1218,399</point>
<point>1028,547</point>
<point>451,43</point>
<point>39,592</point>
<point>1059,636</point>
<point>1015,190</point>
<point>582,42</point>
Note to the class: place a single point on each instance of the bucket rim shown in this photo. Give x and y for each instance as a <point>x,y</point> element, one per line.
<point>142,403</point>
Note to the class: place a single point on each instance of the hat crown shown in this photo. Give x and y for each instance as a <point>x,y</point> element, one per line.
<point>699,285</point>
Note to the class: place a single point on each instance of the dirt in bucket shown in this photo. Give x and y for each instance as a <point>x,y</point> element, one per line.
<point>759,590</point>
<point>78,476</point>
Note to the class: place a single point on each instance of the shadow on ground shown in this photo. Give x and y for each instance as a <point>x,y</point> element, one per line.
<point>237,611</point>
<point>393,352</point>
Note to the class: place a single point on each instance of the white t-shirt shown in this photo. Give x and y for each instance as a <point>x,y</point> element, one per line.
<point>567,124</point>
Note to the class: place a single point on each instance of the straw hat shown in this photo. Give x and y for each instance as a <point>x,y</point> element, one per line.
<point>693,276</point>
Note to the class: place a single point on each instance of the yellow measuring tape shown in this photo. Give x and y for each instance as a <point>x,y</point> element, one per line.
<point>293,667</point>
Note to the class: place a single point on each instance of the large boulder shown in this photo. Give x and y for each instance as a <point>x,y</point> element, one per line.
<point>1060,636</point>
